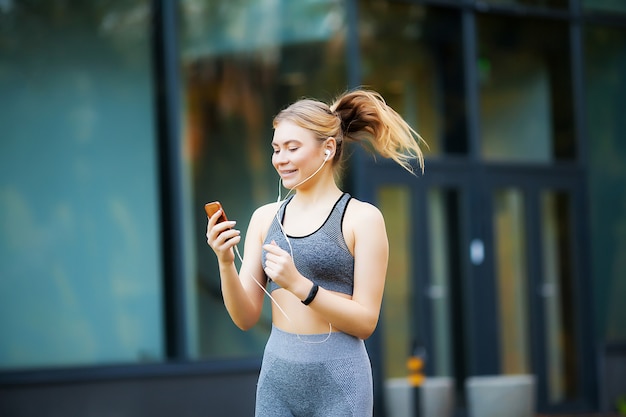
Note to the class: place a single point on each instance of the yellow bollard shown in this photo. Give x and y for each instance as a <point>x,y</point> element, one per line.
<point>415,366</point>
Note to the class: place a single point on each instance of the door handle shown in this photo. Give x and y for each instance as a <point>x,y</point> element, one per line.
<point>477,251</point>
<point>436,292</point>
<point>547,290</point>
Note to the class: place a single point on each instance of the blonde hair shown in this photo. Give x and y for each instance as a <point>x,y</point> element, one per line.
<point>360,116</point>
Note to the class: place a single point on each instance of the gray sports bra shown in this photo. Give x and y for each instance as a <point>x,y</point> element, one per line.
<point>321,256</point>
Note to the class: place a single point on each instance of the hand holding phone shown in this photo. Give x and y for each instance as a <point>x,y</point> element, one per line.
<point>223,247</point>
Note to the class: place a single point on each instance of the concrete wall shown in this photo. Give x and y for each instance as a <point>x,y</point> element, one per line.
<point>195,395</point>
<point>436,396</point>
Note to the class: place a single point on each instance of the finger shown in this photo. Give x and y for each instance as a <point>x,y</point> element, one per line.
<point>274,249</point>
<point>227,236</point>
<point>222,240</point>
<point>215,216</point>
<point>270,250</point>
<point>220,227</point>
<point>214,231</point>
<point>271,259</point>
<point>211,223</point>
<point>212,220</point>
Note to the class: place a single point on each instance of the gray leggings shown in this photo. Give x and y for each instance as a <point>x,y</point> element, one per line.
<point>298,379</point>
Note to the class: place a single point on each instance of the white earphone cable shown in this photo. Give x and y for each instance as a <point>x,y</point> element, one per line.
<point>272,299</point>
<point>282,229</point>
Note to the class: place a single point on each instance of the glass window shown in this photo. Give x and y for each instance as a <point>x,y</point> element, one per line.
<point>80,275</point>
<point>558,292</point>
<point>526,111</point>
<point>412,54</point>
<point>604,5</point>
<point>533,3</point>
<point>605,91</point>
<point>512,280</point>
<point>241,63</point>
<point>445,277</point>
<point>394,203</point>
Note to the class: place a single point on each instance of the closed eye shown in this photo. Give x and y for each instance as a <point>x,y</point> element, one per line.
<point>289,149</point>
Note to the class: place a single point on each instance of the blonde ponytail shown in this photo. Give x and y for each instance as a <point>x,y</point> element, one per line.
<point>366,118</point>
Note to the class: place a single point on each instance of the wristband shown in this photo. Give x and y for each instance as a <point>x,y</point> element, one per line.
<point>311,295</point>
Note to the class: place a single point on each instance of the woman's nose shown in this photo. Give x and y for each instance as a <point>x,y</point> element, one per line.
<point>279,157</point>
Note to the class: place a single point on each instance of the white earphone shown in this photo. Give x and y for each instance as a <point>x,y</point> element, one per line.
<point>327,154</point>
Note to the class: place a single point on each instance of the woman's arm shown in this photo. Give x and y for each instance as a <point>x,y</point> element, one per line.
<point>242,296</point>
<point>357,316</point>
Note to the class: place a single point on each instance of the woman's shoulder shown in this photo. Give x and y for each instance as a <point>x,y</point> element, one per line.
<point>362,221</point>
<point>362,212</point>
<point>263,216</point>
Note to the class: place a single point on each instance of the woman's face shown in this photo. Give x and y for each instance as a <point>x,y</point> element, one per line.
<point>297,153</point>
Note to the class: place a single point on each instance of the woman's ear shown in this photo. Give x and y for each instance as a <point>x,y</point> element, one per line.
<point>331,146</point>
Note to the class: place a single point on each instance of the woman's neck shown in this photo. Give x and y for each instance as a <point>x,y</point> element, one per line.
<point>320,192</point>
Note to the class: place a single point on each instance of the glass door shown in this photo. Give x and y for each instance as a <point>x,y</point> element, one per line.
<point>487,273</point>
<point>426,301</point>
<point>540,272</point>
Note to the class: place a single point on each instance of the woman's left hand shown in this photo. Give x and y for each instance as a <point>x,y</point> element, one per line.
<point>280,268</point>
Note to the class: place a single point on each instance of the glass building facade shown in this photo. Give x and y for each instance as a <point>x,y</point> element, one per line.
<point>120,119</point>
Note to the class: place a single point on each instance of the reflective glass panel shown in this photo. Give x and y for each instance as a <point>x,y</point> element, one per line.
<point>605,91</point>
<point>512,280</point>
<point>412,55</point>
<point>394,202</point>
<point>533,3</point>
<point>242,62</point>
<point>80,256</point>
<point>558,291</point>
<point>605,5</point>
<point>526,111</point>
<point>443,238</point>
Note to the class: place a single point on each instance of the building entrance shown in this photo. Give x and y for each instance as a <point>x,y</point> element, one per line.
<point>488,273</point>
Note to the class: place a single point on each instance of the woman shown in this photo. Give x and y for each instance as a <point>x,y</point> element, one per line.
<point>322,255</point>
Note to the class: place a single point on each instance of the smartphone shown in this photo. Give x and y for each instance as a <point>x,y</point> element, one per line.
<point>212,208</point>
